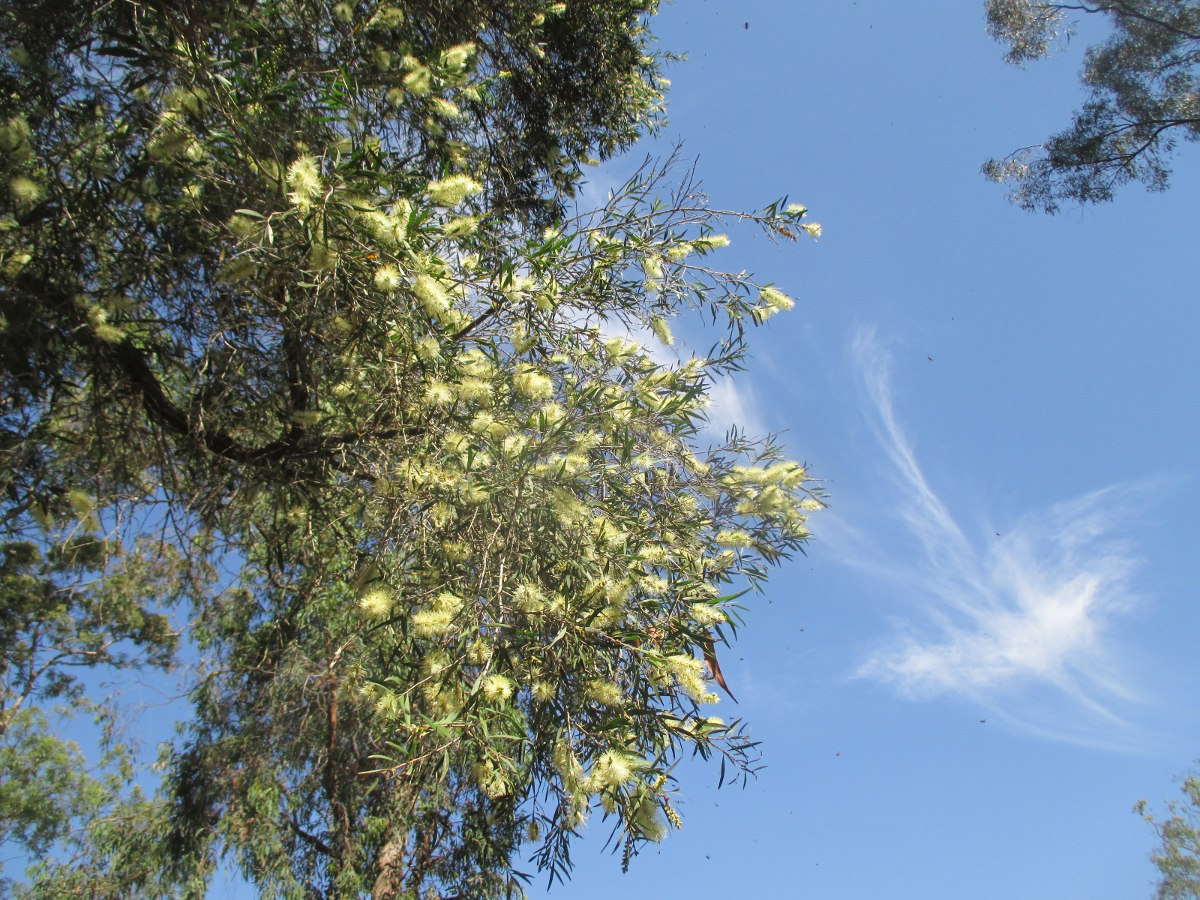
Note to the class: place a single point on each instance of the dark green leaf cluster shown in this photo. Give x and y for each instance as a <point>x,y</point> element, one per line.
<point>1144,97</point>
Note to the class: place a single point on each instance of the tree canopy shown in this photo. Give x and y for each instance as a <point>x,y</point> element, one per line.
<point>311,362</point>
<point>1144,98</point>
<point>1178,856</point>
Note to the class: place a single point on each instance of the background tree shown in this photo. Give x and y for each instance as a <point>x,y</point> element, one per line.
<point>1144,98</point>
<point>298,288</point>
<point>87,606</point>
<point>1178,859</point>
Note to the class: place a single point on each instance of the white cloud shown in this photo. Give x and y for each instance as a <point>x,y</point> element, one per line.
<point>732,403</point>
<point>1021,624</point>
<point>732,399</point>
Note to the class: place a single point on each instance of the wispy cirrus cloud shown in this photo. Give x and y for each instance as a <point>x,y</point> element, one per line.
<point>734,402</point>
<point>1021,624</point>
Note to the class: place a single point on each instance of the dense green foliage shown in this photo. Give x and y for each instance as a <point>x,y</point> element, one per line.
<point>1178,857</point>
<point>304,345</point>
<point>1144,97</point>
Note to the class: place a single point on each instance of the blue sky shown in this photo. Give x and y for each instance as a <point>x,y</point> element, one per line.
<point>988,654</point>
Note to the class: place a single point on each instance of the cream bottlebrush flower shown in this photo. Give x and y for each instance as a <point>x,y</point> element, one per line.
<point>476,363</point>
<point>432,623</point>
<point>662,330</point>
<point>612,770</point>
<point>528,598</point>
<point>553,413</point>
<point>376,602</point>
<point>586,441</point>
<point>442,514</point>
<point>604,692</point>
<point>647,820</point>
<point>432,296</point>
<point>569,508</point>
<point>440,618</point>
<point>463,226</point>
<point>771,301</point>
<point>711,242</point>
<point>708,615</point>
<point>391,230</point>
<point>499,429</point>
<point>474,390</point>
<point>574,463</point>
<point>514,445</point>
<point>388,17</point>
<point>787,474</point>
<point>543,691</point>
<point>497,687</point>
<point>493,782</point>
<point>25,191</point>
<point>387,277</point>
<point>522,340</point>
<point>455,551</point>
<point>688,673</point>
<point>307,417</point>
<point>245,226</point>
<point>435,664</point>
<point>238,269</point>
<point>532,384</point>
<point>304,178</point>
<point>609,617</point>
<point>445,109</point>
<point>439,394</point>
<point>473,494</point>
<point>678,252</point>
<point>453,190</point>
<point>567,763</point>
<point>620,348</point>
<point>455,58</point>
<point>482,422</point>
<point>813,229</point>
<point>796,209</point>
<point>418,81</point>
<point>516,287</point>
<point>733,538</point>
<point>322,258</point>
<point>15,135</point>
<point>429,349</point>
<point>81,502</point>
<point>456,442</point>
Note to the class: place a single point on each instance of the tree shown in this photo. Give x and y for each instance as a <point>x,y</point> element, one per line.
<point>297,289</point>
<point>1179,857</point>
<point>1144,98</point>
<point>82,609</point>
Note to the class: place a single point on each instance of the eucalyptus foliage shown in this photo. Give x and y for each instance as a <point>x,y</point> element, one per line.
<point>1178,856</point>
<point>1144,98</point>
<point>305,339</point>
